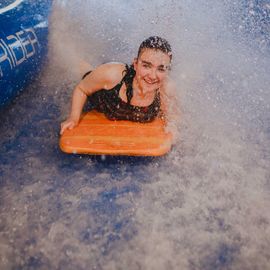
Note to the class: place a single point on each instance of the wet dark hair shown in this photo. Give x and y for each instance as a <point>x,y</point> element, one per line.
<point>156,43</point>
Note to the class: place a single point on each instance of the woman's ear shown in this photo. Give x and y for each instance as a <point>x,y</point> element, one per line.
<point>135,62</point>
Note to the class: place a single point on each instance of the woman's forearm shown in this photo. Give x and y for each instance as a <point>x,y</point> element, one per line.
<point>78,101</point>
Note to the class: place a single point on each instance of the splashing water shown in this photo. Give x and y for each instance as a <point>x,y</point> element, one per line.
<point>205,205</point>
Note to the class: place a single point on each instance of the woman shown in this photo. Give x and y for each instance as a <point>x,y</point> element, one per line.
<point>122,92</point>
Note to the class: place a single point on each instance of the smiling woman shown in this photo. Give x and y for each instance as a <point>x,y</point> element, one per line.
<point>122,92</point>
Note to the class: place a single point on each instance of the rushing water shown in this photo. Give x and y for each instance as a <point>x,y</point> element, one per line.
<point>203,206</point>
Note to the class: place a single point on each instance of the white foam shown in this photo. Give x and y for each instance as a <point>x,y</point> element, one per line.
<point>211,191</point>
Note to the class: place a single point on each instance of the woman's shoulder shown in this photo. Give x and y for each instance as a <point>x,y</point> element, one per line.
<point>104,76</point>
<point>111,72</point>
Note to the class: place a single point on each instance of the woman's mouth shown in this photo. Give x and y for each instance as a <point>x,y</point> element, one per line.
<point>151,82</point>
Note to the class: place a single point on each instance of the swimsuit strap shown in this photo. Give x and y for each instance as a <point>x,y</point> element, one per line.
<point>129,93</point>
<point>86,74</point>
<point>128,79</point>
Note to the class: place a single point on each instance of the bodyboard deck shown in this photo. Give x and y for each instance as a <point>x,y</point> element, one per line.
<point>96,135</point>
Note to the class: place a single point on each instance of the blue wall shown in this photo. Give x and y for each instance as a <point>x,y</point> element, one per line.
<point>23,43</point>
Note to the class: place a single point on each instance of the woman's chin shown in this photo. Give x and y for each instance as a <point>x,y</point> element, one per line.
<point>150,88</point>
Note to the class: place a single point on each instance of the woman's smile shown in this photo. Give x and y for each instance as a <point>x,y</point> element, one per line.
<point>151,70</point>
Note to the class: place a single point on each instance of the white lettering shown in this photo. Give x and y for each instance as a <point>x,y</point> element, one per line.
<point>15,46</point>
<point>4,57</point>
<point>18,48</point>
<point>25,42</point>
<point>33,39</point>
<point>9,52</point>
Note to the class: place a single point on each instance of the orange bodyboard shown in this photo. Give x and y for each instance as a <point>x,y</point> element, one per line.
<point>96,135</point>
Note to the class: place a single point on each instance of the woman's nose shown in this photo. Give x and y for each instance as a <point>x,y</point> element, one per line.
<point>153,74</point>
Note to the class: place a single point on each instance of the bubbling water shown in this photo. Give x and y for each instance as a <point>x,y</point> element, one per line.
<point>206,206</point>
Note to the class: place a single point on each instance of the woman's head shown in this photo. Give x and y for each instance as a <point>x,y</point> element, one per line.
<point>152,63</point>
<point>156,43</point>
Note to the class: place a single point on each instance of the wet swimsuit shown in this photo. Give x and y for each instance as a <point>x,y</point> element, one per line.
<point>114,108</point>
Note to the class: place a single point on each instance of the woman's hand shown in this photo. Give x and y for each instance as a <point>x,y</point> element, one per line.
<point>68,124</point>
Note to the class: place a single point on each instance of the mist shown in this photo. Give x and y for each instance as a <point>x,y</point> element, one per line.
<point>204,205</point>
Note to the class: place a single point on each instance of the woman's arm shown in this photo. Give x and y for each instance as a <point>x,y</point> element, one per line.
<point>103,77</point>
<point>78,99</point>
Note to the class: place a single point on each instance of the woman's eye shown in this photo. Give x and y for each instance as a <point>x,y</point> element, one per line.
<point>146,66</point>
<point>162,69</point>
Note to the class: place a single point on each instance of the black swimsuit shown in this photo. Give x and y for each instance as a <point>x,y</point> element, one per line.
<point>114,108</point>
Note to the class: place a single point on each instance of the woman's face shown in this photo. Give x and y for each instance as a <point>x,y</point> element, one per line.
<point>151,68</point>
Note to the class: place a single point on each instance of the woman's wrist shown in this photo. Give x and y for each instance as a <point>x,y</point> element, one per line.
<point>74,118</point>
